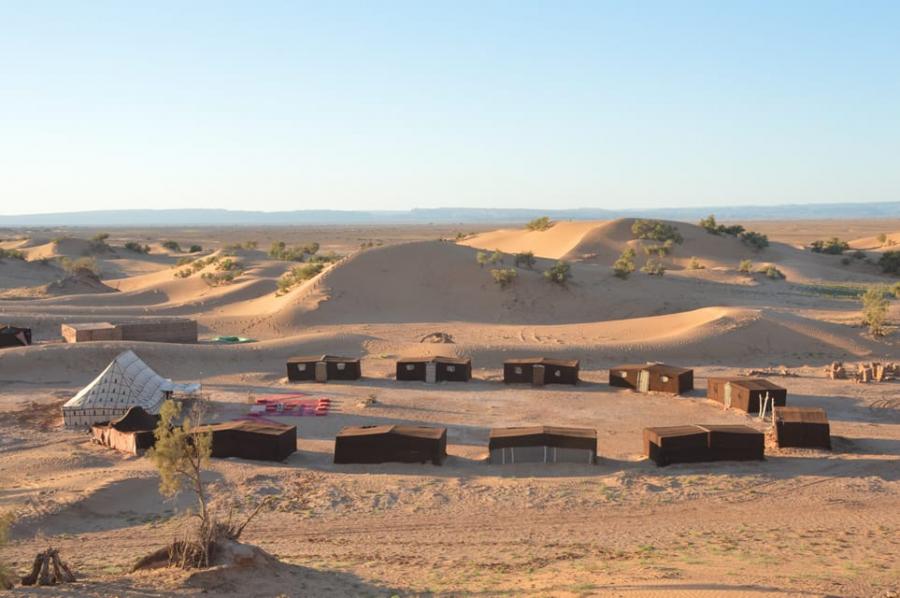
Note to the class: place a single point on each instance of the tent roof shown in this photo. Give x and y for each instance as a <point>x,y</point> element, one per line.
<point>569,363</point>
<point>749,383</point>
<point>805,415</point>
<point>436,359</point>
<point>549,430</point>
<point>316,358</point>
<point>661,368</point>
<point>411,431</point>
<point>126,382</point>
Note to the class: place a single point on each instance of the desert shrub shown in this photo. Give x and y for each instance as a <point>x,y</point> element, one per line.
<point>656,230</point>
<point>136,247</point>
<point>184,261</point>
<point>710,225</point>
<point>195,249</point>
<point>183,273</point>
<point>540,224</point>
<point>875,309</point>
<point>890,262</point>
<point>560,273</point>
<point>624,266</point>
<point>504,276</point>
<point>654,267</point>
<point>326,258</point>
<point>217,279</point>
<point>832,246</point>
<point>757,241</point>
<point>695,264</point>
<point>774,273</point>
<point>525,258</point>
<point>281,251</point>
<point>14,254</point>
<point>895,290</point>
<point>98,243</point>
<point>172,246</point>
<point>229,264</point>
<point>659,250</point>
<point>6,575</point>
<point>482,258</point>
<point>496,257</point>
<point>80,265</point>
<point>745,267</point>
<point>882,238</point>
<point>297,275</point>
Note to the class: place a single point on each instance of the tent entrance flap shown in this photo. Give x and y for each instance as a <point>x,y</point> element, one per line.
<point>644,380</point>
<point>321,371</point>
<point>537,375</point>
<point>431,372</point>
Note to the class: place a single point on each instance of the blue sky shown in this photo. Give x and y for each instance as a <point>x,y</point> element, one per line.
<point>393,105</point>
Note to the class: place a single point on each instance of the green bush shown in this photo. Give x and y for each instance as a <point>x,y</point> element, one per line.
<point>482,258</point>
<point>656,230</point>
<point>653,267</point>
<point>496,257</point>
<point>774,273</point>
<point>14,254</point>
<point>81,265</point>
<point>172,246</point>
<point>832,246</point>
<point>890,262</point>
<point>659,250</point>
<point>895,290</point>
<point>875,309</point>
<point>757,241</point>
<point>624,266</point>
<point>540,224</point>
<point>504,276</point>
<point>195,249</point>
<point>709,224</point>
<point>281,251</point>
<point>882,238</point>
<point>560,273</point>
<point>525,258</point>
<point>745,267</point>
<point>297,275</point>
<point>137,247</point>
<point>327,258</point>
<point>695,264</point>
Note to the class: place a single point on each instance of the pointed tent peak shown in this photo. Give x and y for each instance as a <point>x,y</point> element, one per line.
<point>126,382</point>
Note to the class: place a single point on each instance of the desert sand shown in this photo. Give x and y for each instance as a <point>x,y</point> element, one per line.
<point>801,523</point>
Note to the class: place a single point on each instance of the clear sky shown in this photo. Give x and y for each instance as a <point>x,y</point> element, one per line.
<point>393,105</point>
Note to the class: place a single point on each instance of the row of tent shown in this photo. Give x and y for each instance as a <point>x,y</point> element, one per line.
<point>127,381</point>
<point>656,377</point>
<point>270,441</point>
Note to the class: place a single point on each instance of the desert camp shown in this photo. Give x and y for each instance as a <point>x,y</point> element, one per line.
<point>802,427</point>
<point>539,371</point>
<point>13,336</point>
<point>746,394</point>
<point>434,369</point>
<point>255,440</point>
<point>391,443</point>
<point>125,383</point>
<point>132,433</point>
<point>578,299</point>
<point>542,444</point>
<point>653,377</point>
<point>323,368</point>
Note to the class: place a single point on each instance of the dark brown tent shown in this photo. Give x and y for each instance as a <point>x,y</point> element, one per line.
<point>745,394</point>
<point>802,427</point>
<point>652,377</point>
<point>540,371</point>
<point>708,442</point>
<point>132,433</point>
<point>390,443</point>
<point>435,369</point>
<point>13,336</point>
<point>322,368</point>
<point>542,444</point>
<point>257,440</point>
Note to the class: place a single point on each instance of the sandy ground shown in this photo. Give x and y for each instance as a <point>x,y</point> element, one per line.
<point>801,523</point>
